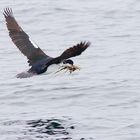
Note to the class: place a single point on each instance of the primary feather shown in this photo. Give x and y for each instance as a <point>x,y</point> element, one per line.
<point>21,39</point>
<point>71,52</point>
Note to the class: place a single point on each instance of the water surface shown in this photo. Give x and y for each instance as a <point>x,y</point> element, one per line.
<point>100,102</point>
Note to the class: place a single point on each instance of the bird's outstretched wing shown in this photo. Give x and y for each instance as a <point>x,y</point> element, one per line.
<point>21,39</point>
<point>71,52</point>
<point>75,50</point>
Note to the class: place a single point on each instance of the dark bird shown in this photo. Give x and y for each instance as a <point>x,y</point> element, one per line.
<point>37,59</point>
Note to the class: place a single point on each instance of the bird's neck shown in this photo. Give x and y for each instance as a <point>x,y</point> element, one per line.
<point>56,60</point>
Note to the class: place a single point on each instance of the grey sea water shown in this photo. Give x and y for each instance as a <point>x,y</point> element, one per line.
<point>99,102</point>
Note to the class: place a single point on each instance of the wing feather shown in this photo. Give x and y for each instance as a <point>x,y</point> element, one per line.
<point>75,50</point>
<point>71,52</point>
<point>21,39</point>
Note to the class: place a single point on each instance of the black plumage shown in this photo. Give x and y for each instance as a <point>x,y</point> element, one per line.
<point>37,59</point>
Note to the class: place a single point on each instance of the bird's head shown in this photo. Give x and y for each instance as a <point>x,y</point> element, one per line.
<point>68,61</point>
<point>68,66</point>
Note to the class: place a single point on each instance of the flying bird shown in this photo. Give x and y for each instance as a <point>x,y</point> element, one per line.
<point>37,59</point>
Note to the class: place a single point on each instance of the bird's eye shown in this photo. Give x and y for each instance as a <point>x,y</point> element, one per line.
<point>64,62</point>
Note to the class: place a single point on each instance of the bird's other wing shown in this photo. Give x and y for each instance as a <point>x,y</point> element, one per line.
<point>75,50</point>
<point>21,39</point>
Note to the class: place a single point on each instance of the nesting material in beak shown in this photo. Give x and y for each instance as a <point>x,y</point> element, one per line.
<point>70,68</point>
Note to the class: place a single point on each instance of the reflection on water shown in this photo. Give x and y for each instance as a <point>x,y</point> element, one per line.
<point>53,129</point>
<point>49,127</point>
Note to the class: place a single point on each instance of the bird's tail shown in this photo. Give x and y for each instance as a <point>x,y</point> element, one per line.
<point>26,74</point>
